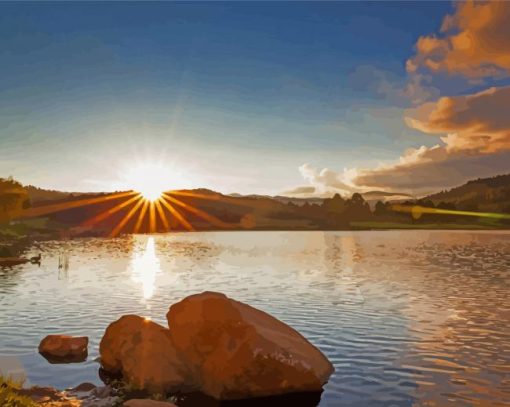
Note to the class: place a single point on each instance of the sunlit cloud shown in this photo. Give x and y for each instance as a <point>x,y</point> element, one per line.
<point>474,42</point>
<point>472,130</point>
<point>326,181</point>
<point>478,122</point>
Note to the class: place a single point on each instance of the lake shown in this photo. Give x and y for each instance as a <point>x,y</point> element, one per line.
<point>406,317</point>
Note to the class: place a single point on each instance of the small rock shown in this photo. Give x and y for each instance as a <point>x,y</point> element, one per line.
<point>102,392</point>
<point>38,393</point>
<point>64,348</point>
<point>83,387</point>
<point>147,403</point>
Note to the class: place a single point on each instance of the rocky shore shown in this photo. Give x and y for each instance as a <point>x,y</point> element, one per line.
<point>213,346</point>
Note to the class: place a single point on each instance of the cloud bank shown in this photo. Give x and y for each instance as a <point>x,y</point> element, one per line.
<point>473,130</point>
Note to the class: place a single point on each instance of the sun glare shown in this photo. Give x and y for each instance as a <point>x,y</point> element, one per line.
<point>150,180</point>
<point>151,194</point>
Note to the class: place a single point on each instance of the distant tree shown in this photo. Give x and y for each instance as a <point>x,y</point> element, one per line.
<point>381,209</point>
<point>357,208</point>
<point>334,205</point>
<point>13,199</point>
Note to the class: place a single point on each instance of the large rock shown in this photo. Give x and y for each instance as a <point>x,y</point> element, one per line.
<point>235,351</point>
<point>142,352</point>
<point>64,348</point>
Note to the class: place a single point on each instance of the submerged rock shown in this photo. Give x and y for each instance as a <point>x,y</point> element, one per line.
<point>235,351</point>
<point>142,351</point>
<point>64,348</point>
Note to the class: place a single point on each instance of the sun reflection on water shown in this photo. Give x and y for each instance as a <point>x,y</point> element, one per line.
<point>145,266</point>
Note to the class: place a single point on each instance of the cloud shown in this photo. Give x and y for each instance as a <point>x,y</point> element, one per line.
<point>474,42</point>
<point>475,132</point>
<point>384,85</point>
<point>473,142</point>
<point>301,191</point>
<point>425,170</point>
<point>479,122</point>
<point>326,181</point>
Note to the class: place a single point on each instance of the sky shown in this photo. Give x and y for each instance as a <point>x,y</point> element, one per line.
<point>306,99</point>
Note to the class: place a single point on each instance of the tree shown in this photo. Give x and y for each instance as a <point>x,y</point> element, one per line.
<point>13,199</point>
<point>380,209</point>
<point>358,209</point>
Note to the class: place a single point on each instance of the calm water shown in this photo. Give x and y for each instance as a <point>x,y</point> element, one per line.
<point>407,318</point>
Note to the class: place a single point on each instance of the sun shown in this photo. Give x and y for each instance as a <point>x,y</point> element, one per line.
<point>151,194</point>
<point>151,180</point>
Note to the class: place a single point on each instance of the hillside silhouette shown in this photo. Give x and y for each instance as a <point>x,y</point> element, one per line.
<point>254,212</point>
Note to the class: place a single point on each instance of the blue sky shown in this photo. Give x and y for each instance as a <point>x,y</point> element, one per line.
<point>229,96</point>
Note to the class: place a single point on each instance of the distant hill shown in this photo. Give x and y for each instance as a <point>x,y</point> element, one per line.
<point>483,194</point>
<point>98,214</point>
<point>38,195</point>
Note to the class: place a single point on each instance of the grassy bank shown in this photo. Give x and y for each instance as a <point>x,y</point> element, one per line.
<point>9,394</point>
<point>374,225</point>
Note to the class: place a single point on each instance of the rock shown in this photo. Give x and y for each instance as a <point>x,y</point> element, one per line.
<point>235,351</point>
<point>83,387</point>
<point>147,403</point>
<point>102,392</point>
<point>142,352</point>
<point>12,261</point>
<point>49,397</point>
<point>64,348</point>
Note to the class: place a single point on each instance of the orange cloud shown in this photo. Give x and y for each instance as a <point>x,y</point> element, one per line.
<point>475,135</point>
<point>478,122</point>
<point>474,42</point>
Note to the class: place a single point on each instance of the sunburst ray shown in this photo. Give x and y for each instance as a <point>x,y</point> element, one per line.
<point>141,216</point>
<point>126,218</point>
<point>152,217</point>
<point>109,212</point>
<point>180,218</point>
<point>210,218</point>
<point>162,215</point>
<point>58,207</point>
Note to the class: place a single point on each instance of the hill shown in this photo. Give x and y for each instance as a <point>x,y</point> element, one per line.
<point>483,194</point>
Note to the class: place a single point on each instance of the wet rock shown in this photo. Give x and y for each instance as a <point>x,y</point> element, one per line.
<point>64,348</point>
<point>83,387</point>
<point>92,396</point>
<point>12,261</point>
<point>102,392</point>
<point>147,403</point>
<point>235,351</point>
<point>142,352</point>
<point>49,397</point>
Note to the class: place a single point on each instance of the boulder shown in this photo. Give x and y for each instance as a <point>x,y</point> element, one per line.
<point>64,348</point>
<point>142,352</point>
<point>235,351</point>
<point>147,403</point>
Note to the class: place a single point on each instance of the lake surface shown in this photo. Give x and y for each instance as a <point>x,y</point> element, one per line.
<point>407,317</point>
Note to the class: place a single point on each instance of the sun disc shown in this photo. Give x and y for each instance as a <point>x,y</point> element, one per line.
<point>150,180</point>
<point>151,194</point>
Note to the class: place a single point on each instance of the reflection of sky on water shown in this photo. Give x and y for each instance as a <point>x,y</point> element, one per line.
<point>408,318</point>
